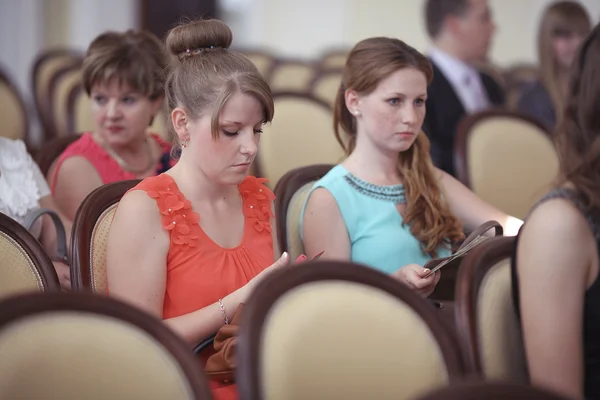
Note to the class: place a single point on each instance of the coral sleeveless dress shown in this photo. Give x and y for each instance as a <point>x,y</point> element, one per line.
<point>107,167</point>
<point>200,272</point>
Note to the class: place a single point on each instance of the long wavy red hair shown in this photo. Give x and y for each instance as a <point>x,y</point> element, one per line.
<point>427,214</point>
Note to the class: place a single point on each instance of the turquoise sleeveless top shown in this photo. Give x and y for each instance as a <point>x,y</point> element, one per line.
<point>377,236</point>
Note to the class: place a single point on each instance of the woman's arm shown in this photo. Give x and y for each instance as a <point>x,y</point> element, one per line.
<point>324,229</point>
<point>137,272</point>
<point>75,179</point>
<point>554,258</point>
<point>472,210</point>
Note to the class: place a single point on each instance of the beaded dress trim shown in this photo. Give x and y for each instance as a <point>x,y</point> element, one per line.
<point>393,193</point>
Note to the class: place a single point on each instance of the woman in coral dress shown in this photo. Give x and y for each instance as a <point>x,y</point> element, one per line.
<point>189,245</point>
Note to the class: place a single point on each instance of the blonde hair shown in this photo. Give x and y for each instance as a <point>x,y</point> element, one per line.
<point>427,214</point>
<point>562,16</point>
<point>136,58</point>
<point>203,74</point>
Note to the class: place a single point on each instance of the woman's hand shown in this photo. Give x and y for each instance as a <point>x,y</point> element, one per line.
<point>282,262</point>
<point>64,274</point>
<point>413,276</point>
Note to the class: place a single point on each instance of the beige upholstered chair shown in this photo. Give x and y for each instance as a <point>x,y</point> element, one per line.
<point>291,75</point>
<point>490,391</point>
<point>301,134</point>
<point>24,265</point>
<point>82,346</point>
<point>13,113</point>
<point>90,234</point>
<point>336,330</point>
<point>485,316</point>
<point>291,193</point>
<point>263,61</point>
<point>45,67</point>
<point>326,85</point>
<point>506,158</point>
<point>334,59</point>
<point>62,84</point>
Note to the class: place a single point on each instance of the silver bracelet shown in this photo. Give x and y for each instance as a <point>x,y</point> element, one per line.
<point>222,307</point>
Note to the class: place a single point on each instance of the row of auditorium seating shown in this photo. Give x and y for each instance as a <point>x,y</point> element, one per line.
<point>62,106</point>
<point>328,329</point>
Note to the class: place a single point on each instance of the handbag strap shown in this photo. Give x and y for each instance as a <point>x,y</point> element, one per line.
<point>481,230</point>
<point>204,344</point>
<point>61,238</point>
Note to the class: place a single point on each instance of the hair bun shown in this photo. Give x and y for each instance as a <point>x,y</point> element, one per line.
<point>199,34</point>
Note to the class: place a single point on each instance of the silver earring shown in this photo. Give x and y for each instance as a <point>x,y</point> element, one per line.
<point>185,143</point>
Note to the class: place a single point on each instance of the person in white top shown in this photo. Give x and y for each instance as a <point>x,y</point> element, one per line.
<point>23,189</point>
<point>461,32</point>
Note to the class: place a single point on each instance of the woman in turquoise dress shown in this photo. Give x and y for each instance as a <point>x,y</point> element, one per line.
<point>386,206</point>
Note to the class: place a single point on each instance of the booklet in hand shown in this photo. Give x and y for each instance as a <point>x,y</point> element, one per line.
<point>473,240</point>
<point>302,257</point>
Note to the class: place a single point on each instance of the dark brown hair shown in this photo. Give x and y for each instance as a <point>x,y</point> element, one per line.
<point>204,74</point>
<point>136,58</point>
<point>578,135</point>
<point>427,214</point>
<point>436,12</point>
<point>562,16</point>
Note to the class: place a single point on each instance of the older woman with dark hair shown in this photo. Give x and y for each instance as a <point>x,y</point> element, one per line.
<point>123,73</point>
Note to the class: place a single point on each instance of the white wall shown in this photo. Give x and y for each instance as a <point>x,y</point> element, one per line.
<point>28,26</point>
<point>294,28</point>
<point>20,37</point>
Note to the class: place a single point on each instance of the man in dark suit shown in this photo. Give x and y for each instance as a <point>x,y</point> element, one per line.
<point>461,31</point>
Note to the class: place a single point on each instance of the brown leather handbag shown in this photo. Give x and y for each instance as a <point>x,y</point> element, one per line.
<point>221,365</point>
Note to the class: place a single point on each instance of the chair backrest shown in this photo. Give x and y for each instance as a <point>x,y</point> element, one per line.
<point>52,150</point>
<point>291,75</point>
<point>334,59</point>
<point>46,65</point>
<point>326,85</point>
<point>90,234</point>
<point>301,134</point>
<point>62,84</point>
<point>82,346</point>
<point>335,329</point>
<point>485,316</point>
<point>24,265</point>
<point>506,158</point>
<point>13,112</point>
<point>490,391</point>
<point>291,193</point>
<point>263,60</point>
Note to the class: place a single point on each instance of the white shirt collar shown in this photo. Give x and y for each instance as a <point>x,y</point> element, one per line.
<point>464,78</point>
<point>455,70</point>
